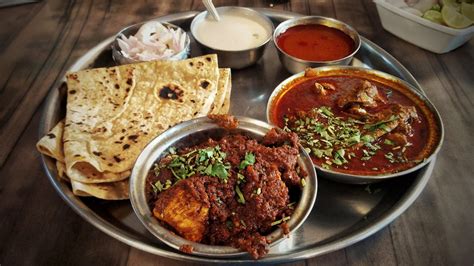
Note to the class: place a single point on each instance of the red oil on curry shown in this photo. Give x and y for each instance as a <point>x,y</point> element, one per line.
<point>315,43</point>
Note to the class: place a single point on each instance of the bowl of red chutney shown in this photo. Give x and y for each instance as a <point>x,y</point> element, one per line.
<point>315,41</point>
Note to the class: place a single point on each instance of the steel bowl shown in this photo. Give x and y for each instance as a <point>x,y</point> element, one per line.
<point>295,65</point>
<point>436,138</point>
<point>231,58</point>
<point>194,132</point>
<point>121,59</point>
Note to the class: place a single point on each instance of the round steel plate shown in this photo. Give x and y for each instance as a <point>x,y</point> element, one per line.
<point>343,214</point>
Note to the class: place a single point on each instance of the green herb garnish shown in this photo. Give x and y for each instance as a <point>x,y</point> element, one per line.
<point>240,178</point>
<point>277,222</point>
<point>219,170</point>
<point>389,157</point>
<point>381,124</point>
<point>367,139</point>
<point>240,196</point>
<point>158,186</point>
<point>172,150</point>
<point>249,160</point>
<point>326,166</point>
<point>326,135</point>
<point>334,139</point>
<point>325,110</point>
<point>208,161</point>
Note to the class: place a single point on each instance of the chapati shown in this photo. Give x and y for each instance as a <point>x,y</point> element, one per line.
<point>112,113</point>
<point>222,86</point>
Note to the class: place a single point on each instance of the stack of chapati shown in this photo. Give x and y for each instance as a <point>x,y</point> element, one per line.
<point>112,113</point>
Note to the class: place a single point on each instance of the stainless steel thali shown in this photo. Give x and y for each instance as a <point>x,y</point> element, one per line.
<point>343,214</point>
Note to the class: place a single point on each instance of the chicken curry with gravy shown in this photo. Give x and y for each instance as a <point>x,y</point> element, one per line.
<point>356,124</point>
<point>231,191</point>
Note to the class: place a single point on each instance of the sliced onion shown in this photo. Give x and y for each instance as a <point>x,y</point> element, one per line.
<point>153,41</point>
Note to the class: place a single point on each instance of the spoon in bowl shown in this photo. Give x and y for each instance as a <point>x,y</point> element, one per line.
<point>211,9</point>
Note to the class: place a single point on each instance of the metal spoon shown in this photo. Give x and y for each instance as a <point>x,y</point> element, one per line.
<point>211,9</point>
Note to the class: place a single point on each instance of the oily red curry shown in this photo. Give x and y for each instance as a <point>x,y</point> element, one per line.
<point>315,43</point>
<point>230,191</point>
<point>356,124</point>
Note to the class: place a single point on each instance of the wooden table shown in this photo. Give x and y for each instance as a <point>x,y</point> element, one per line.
<point>38,42</point>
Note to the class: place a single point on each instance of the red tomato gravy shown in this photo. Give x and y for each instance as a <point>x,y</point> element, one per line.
<point>315,43</point>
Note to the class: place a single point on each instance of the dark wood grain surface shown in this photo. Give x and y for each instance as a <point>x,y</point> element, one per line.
<point>38,42</point>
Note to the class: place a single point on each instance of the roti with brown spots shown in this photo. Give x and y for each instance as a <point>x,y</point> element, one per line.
<point>112,113</point>
<point>223,86</point>
<point>52,145</point>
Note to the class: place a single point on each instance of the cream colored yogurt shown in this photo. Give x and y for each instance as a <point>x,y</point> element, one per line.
<point>233,32</point>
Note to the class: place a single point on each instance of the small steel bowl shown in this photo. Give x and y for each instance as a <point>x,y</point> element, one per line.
<point>121,59</point>
<point>436,138</point>
<point>230,58</point>
<point>295,65</point>
<point>194,132</point>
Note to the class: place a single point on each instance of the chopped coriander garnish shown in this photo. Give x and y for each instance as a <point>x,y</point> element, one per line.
<point>354,138</point>
<point>336,141</point>
<point>317,152</point>
<point>339,157</point>
<point>158,186</point>
<point>326,166</point>
<point>325,110</point>
<point>219,170</point>
<point>389,157</point>
<point>208,161</point>
<point>240,198</point>
<point>240,178</point>
<point>172,150</point>
<point>325,135</point>
<point>367,139</point>
<point>277,222</point>
<point>156,169</point>
<point>380,124</point>
<point>249,160</point>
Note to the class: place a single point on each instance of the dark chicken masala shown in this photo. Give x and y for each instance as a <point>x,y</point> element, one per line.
<point>356,125</point>
<point>232,191</point>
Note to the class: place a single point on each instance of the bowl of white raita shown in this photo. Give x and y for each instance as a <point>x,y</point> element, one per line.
<point>239,38</point>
